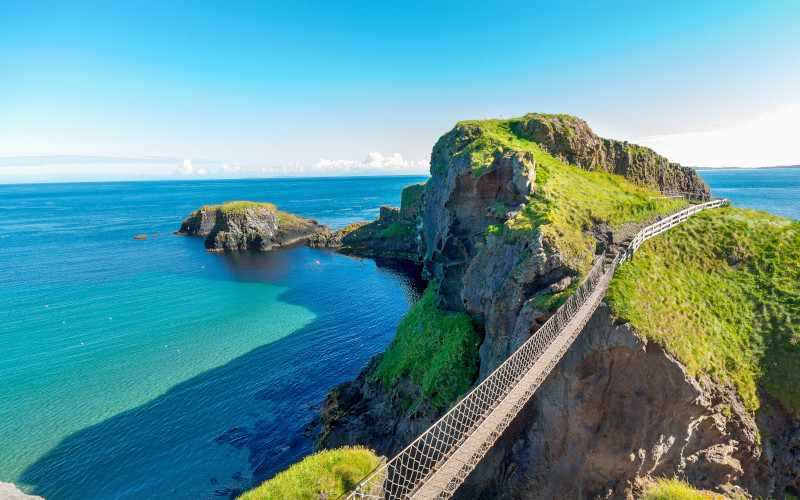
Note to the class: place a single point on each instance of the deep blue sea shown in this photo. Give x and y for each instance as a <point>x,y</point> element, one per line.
<point>775,190</point>
<point>150,368</point>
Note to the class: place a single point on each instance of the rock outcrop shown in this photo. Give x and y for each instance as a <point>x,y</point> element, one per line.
<point>570,140</point>
<point>617,409</point>
<point>393,235</point>
<point>247,226</point>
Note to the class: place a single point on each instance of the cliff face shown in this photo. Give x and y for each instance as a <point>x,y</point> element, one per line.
<point>506,230</point>
<point>247,226</point>
<point>618,409</point>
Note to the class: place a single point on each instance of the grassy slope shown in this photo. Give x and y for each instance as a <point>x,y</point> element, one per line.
<point>438,349</point>
<point>722,293</point>
<point>567,200</point>
<point>331,472</point>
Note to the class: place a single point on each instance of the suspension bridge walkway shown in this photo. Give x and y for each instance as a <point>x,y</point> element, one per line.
<point>440,459</point>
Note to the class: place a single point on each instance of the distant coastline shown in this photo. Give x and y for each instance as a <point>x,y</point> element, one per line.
<point>745,168</point>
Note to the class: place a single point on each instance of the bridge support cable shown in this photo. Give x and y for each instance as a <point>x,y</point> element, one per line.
<point>440,459</point>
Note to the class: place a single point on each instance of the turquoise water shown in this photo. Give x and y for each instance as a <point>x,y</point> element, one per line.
<point>153,369</point>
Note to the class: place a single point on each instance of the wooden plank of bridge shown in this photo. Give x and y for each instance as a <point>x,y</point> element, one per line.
<point>438,484</point>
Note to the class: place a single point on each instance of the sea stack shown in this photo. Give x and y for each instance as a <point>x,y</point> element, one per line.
<point>247,225</point>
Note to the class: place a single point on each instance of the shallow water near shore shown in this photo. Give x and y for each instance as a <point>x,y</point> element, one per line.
<point>153,369</point>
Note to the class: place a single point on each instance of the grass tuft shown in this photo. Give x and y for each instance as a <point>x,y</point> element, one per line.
<point>675,489</point>
<point>326,474</point>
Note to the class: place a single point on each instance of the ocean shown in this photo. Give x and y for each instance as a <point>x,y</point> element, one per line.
<point>775,190</point>
<point>151,368</point>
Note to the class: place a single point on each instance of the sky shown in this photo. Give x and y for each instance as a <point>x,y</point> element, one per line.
<point>181,90</point>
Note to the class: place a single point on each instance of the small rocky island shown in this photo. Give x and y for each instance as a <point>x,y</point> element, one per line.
<point>259,226</point>
<point>247,225</point>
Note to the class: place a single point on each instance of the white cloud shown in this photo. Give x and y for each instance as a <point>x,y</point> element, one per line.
<point>771,139</point>
<point>201,171</point>
<point>373,163</point>
<point>227,169</point>
<point>186,167</point>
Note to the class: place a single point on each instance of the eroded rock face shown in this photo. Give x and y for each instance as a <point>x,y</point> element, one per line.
<point>364,411</point>
<point>616,410</point>
<point>253,228</point>
<point>571,140</point>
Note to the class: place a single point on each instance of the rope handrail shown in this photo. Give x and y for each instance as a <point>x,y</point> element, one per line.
<point>439,460</point>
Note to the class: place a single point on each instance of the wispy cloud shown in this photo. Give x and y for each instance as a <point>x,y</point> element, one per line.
<point>43,168</point>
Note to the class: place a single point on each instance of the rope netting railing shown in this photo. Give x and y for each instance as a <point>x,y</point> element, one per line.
<point>439,460</point>
<point>669,222</point>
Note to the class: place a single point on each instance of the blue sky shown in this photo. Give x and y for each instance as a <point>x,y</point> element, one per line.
<point>194,89</point>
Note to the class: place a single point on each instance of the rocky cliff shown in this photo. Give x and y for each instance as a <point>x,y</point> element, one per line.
<point>393,235</point>
<point>244,225</point>
<point>619,409</point>
<point>514,214</point>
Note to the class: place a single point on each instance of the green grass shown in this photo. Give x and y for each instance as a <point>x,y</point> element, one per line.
<point>231,206</point>
<point>674,489</point>
<point>721,293</point>
<point>398,229</point>
<point>567,200</point>
<point>437,349</point>
<point>330,472</point>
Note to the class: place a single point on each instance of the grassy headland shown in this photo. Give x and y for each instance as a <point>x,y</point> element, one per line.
<point>567,200</point>
<point>721,293</point>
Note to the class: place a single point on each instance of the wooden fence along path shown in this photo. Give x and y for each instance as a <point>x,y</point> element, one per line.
<point>439,460</point>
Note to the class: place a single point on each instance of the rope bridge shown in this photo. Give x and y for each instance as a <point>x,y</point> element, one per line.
<point>439,460</point>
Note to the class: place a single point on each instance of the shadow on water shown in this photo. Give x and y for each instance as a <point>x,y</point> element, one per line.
<point>233,426</point>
